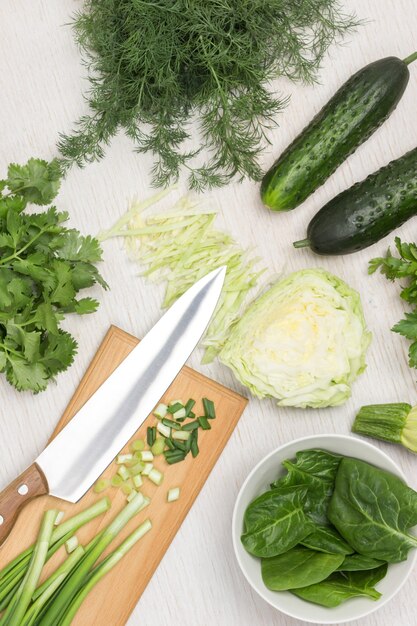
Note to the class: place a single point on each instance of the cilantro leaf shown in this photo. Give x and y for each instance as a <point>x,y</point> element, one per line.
<point>37,181</point>
<point>43,266</point>
<point>408,326</point>
<point>26,376</point>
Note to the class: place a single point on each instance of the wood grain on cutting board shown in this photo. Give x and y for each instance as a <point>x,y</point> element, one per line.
<point>112,601</point>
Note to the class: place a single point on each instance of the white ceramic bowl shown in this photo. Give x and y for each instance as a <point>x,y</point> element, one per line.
<point>259,480</point>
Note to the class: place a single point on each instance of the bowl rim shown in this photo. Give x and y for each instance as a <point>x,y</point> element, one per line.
<point>236,535</point>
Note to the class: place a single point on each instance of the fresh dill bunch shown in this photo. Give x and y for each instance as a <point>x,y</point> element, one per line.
<point>156,66</point>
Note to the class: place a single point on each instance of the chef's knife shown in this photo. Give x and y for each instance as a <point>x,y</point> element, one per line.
<point>71,463</point>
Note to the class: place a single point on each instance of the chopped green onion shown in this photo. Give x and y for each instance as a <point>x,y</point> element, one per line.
<point>137,468</point>
<point>123,458</point>
<point>123,472</point>
<point>158,446</point>
<point>132,495</point>
<point>170,423</point>
<point>101,485</point>
<point>191,426</point>
<point>173,494</point>
<point>169,443</point>
<point>209,410</point>
<point>164,430</point>
<point>147,469</point>
<point>204,423</point>
<point>147,456</point>
<point>174,403</point>
<point>189,405</point>
<point>137,481</point>
<point>194,445</point>
<point>71,544</point>
<point>72,524</point>
<point>150,435</point>
<point>181,435</point>
<point>59,517</point>
<point>116,480</point>
<point>174,456</point>
<point>179,445</point>
<point>191,415</point>
<point>126,487</point>
<point>180,414</point>
<point>138,445</point>
<point>156,476</point>
<point>161,410</point>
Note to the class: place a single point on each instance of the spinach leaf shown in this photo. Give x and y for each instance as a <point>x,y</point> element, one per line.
<point>275,522</point>
<point>340,587</point>
<point>327,539</point>
<point>315,469</point>
<point>373,509</point>
<point>298,567</point>
<point>357,562</point>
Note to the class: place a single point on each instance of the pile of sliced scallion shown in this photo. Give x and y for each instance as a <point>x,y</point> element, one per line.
<point>179,247</point>
<point>174,436</point>
<point>26,602</point>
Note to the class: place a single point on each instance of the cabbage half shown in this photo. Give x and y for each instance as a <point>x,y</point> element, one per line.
<point>302,342</point>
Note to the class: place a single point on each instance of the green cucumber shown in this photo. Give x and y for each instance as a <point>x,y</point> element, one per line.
<point>356,110</point>
<point>368,211</point>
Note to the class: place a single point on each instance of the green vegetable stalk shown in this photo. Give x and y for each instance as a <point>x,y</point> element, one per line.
<point>395,423</point>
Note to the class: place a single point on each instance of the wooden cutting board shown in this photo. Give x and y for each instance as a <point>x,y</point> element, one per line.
<point>114,598</point>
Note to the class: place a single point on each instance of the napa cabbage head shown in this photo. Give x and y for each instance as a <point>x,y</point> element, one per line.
<point>302,342</point>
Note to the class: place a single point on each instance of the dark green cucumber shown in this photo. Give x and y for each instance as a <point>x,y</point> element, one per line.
<point>357,109</point>
<point>368,211</point>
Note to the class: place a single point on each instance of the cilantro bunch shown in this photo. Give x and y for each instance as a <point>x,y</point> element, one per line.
<point>43,265</point>
<point>404,266</point>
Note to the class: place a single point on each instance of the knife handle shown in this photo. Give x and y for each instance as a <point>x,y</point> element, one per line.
<point>30,484</point>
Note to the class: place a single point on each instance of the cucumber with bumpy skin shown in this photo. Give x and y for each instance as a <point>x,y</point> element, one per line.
<point>357,109</point>
<point>368,211</point>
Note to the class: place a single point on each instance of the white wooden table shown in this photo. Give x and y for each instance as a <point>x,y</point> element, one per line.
<point>198,581</point>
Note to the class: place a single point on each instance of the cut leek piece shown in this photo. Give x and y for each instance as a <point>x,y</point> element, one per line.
<point>158,446</point>
<point>181,435</point>
<point>138,445</point>
<point>147,469</point>
<point>395,423</point>
<point>101,485</point>
<point>147,456</point>
<point>137,481</point>
<point>164,430</point>
<point>123,458</point>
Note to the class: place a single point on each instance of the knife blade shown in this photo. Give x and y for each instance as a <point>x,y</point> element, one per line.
<point>80,453</point>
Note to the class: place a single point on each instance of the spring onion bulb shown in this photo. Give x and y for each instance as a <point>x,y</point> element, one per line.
<point>173,494</point>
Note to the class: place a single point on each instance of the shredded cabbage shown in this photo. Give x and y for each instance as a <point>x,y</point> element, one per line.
<point>302,342</point>
<point>179,247</point>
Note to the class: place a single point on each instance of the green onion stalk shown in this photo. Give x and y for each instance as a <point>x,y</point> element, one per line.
<point>78,577</point>
<point>17,608</point>
<point>103,568</point>
<point>13,573</point>
<point>395,423</point>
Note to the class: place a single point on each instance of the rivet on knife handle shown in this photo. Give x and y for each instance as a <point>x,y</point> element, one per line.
<point>30,484</point>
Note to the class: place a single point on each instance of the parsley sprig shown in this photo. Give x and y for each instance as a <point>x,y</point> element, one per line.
<point>404,266</point>
<point>43,265</point>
